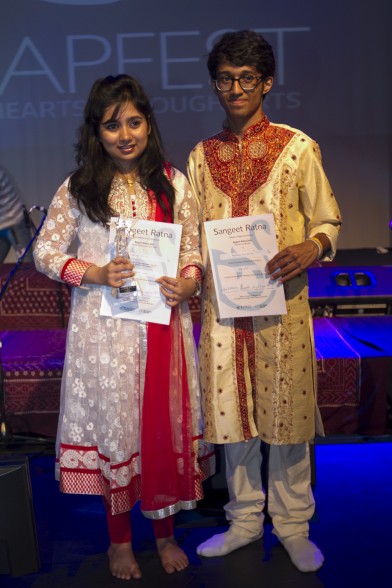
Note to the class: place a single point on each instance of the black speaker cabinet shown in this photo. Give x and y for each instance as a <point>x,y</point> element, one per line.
<point>19,554</point>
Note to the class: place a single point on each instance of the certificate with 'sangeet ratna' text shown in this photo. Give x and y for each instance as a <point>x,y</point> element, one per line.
<point>239,249</point>
<point>154,250</point>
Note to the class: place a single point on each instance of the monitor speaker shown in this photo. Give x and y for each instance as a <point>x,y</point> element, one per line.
<point>19,554</point>
<point>350,290</point>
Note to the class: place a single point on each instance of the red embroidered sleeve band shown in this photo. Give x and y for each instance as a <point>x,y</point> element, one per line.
<point>73,271</point>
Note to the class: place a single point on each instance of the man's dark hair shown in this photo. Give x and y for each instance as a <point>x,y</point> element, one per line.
<point>241,48</point>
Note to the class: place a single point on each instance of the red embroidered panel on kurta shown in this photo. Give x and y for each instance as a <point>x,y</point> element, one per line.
<point>239,169</point>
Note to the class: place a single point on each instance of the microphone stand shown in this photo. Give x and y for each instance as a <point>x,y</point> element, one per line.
<point>4,431</point>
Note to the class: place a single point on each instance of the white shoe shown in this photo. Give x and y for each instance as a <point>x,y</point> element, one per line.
<point>224,543</point>
<point>304,554</point>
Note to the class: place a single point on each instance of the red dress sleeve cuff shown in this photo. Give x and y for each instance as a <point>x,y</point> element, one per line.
<point>73,271</point>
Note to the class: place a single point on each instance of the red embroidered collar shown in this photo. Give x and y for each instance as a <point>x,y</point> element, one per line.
<point>251,131</point>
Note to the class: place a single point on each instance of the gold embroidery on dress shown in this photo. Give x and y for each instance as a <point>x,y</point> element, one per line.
<point>244,335</point>
<point>226,152</point>
<point>257,149</point>
<point>120,200</point>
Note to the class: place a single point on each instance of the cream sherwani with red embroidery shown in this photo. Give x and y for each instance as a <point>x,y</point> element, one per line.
<point>259,374</point>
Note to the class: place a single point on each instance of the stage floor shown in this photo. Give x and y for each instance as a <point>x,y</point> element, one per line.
<point>351,526</point>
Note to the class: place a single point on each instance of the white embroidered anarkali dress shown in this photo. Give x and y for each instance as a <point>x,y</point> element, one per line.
<point>130,421</point>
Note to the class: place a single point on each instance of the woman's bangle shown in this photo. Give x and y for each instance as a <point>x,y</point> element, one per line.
<point>195,273</point>
<point>197,292</point>
<point>319,246</point>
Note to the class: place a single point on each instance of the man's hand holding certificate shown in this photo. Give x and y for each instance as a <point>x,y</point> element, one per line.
<point>239,250</point>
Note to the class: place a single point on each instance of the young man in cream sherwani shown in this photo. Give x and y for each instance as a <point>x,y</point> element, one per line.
<point>259,373</point>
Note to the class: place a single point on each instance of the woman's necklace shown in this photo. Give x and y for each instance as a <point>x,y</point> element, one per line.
<point>129,178</point>
<point>130,181</point>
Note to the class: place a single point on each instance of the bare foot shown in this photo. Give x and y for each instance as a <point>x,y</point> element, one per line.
<point>122,562</point>
<point>173,558</point>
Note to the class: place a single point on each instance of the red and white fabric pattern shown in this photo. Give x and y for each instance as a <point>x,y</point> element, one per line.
<point>74,270</point>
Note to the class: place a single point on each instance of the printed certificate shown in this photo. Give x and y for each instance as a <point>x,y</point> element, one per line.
<point>154,250</point>
<point>239,249</point>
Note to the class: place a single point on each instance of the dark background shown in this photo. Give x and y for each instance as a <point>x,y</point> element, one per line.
<point>332,82</point>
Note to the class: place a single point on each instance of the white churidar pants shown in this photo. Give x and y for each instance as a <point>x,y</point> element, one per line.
<point>290,499</point>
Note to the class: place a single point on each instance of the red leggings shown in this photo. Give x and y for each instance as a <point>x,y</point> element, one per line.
<point>119,526</point>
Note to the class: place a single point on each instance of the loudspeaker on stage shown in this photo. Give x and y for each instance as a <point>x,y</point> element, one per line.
<point>19,554</point>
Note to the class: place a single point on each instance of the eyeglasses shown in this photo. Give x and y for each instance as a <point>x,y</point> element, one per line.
<point>248,82</point>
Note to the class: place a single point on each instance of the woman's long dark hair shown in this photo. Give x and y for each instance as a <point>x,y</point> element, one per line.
<point>90,183</point>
